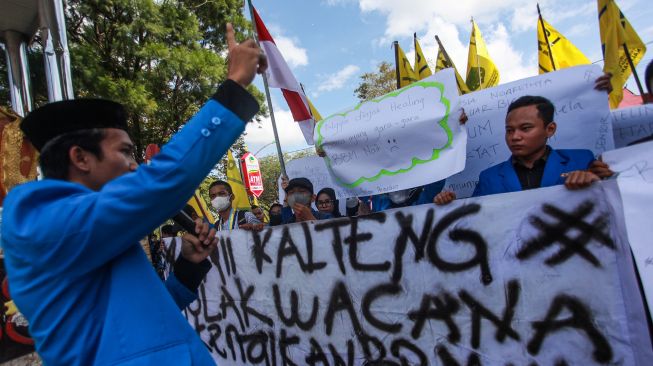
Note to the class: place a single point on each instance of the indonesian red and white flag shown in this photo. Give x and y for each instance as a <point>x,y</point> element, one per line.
<point>280,76</point>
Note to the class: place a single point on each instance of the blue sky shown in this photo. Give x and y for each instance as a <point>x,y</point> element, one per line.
<point>330,43</point>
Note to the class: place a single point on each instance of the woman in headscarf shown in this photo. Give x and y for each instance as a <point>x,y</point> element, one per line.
<point>326,202</point>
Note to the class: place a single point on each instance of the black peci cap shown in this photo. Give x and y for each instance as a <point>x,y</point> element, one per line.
<point>300,182</point>
<point>58,118</point>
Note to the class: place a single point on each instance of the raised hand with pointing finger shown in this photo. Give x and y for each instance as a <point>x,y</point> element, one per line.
<point>245,59</point>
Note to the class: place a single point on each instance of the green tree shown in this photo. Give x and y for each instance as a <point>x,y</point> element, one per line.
<point>376,84</point>
<point>152,56</point>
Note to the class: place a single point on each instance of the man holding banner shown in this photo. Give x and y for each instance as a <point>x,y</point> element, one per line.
<point>533,164</point>
<point>82,280</point>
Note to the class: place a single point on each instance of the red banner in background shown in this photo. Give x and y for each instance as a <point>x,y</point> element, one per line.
<point>14,338</point>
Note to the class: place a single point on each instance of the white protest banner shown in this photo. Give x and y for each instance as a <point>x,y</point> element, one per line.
<point>536,277</point>
<point>404,139</point>
<point>631,124</point>
<point>582,117</point>
<point>634,168</point>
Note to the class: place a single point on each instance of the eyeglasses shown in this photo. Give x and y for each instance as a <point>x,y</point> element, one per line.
<point>324,203</point>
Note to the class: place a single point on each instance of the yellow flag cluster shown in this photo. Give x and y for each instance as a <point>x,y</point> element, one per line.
<point>481,71</point>
<point>618,39</point>
<point>559,50</point>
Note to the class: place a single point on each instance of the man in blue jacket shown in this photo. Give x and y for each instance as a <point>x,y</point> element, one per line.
<point>533,163</point>
<point>75,268</point>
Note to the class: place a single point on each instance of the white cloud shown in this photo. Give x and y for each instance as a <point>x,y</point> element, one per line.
<point>578,30</point>
<point>338,79</point>
<point>403,20</point>
<point>512,64</point>
<point>451,24</point>
<point>524,18</point>
<point>289,47</point>
<point>260,134</point>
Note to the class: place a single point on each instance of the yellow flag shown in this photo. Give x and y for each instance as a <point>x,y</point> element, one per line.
<point>563,52</point>
<point>405,73</point>
<point>617,35</point>
<point>481,71</point>
<point>316,115</point>
<point>241,201</point>
<point>444,62</point>
<point>200,207</point>
<point>421,66</point>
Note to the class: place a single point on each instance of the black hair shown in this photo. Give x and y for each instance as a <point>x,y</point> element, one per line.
<point>54,159</point>
<point>222,183</point>
<point>545,108</point>
<point>648,77</point>
<point>275,205</point>
<point>168,230</point>
<point>335,212</point>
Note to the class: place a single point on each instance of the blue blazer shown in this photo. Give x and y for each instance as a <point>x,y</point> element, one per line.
<point>502,178</point>
<point>78,273</point>
<point>382,202</point>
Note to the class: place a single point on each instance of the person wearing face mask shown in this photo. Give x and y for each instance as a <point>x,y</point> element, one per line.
<point>222,196</point>
<point>299,194</point>
<point>275,214</point>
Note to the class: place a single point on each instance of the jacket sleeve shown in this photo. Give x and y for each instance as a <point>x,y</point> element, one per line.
<point>92,228</point>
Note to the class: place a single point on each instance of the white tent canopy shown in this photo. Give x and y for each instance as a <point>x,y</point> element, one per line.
<point>20,21</point>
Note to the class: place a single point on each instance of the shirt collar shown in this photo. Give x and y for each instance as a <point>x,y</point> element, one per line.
<point>541,160</point>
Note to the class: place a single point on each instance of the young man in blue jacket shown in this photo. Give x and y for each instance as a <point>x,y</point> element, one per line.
<point>75,267</point>
<point>533,163</point>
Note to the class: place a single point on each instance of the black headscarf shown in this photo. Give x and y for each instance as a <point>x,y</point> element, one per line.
<point>332,195</point>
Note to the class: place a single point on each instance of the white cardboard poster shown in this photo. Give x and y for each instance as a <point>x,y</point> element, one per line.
<point>404,139</point>
<point>634,168</point>
<point>631,124</point>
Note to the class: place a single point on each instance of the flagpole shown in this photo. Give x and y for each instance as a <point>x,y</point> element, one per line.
<point>478,63</point>
<point>444,52</point>
<point>546,38</point>
<point>396,44</point>
<point>632,67</point>
<point>448,59</point>
<point>269,99</point>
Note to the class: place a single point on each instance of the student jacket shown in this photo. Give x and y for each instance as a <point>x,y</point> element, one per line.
<point>502,178</point>
<point>75,267</point>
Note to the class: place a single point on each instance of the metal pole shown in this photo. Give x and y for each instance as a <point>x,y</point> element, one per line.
<point>396,44</point>
<point>546,37</point>
<point>632,67</point>
<point>478,64</point>
<point>267,94</point>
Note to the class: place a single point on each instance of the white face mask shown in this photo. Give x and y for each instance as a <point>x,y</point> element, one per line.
<point>301,198</point>
<point>221,203</point>
<point>399,197</point>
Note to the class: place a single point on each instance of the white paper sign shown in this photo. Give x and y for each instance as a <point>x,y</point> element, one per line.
<point>582,117</point>
<point>532,277</point>
<point>634,166</point>
<point>407,138</point>
<point>631,124</point>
